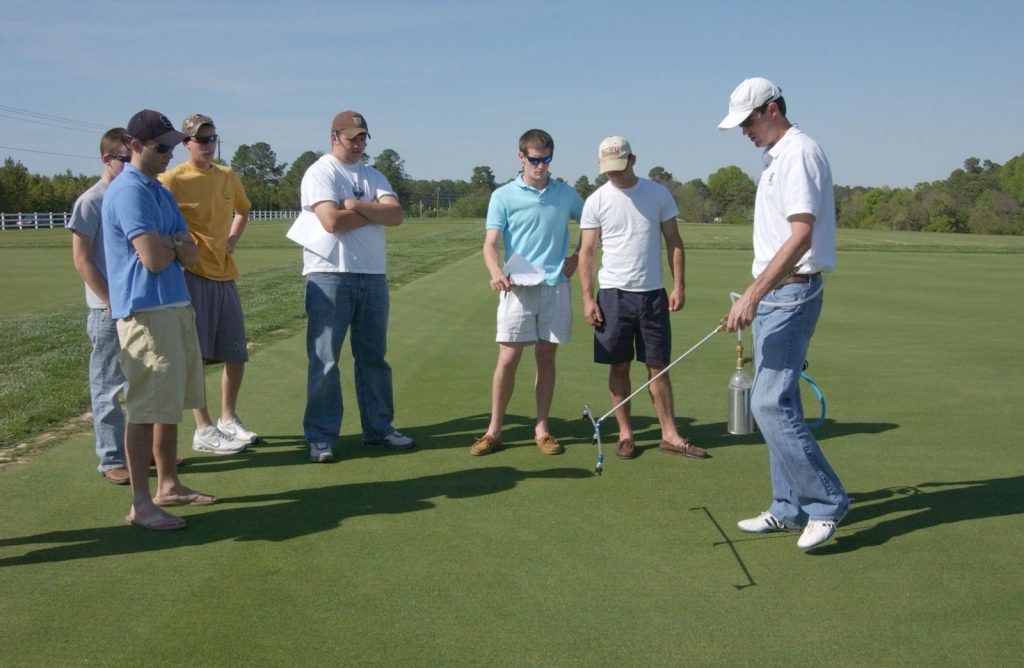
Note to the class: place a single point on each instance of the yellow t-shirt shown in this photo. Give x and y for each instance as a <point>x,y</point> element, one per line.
<point>207,199</point>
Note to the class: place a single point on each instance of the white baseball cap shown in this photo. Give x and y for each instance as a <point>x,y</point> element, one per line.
<point>613,154</point>
<point>748,96</point>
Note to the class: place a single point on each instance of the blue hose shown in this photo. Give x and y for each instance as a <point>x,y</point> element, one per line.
<point>814,386</point>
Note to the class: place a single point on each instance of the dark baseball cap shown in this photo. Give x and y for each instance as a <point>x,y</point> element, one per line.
<point>149,124</point>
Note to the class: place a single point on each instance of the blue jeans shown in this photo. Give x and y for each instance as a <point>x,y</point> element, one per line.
<point>334,302</point>
<point>105,381</point>
<point>804,486</point>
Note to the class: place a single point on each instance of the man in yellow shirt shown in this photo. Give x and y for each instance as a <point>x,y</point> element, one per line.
<point>215,207</point>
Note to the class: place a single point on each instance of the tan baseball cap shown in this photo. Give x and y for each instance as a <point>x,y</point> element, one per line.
<point>613,154</point>
<point>351,124</point>
<point>190,126</point>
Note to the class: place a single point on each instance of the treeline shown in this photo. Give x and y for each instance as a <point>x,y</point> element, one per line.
<point>982,198</point>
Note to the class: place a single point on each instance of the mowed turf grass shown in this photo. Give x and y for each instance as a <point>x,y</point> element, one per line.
<point>434,557</point>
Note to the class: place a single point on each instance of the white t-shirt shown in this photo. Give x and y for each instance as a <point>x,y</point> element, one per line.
<point>362,250</point>
<point>796,179</point>
<point>630,222</point>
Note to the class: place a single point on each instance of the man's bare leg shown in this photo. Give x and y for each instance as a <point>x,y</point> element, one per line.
<point>503,383</point>
<point>544,385</point>
<point>619,388</point>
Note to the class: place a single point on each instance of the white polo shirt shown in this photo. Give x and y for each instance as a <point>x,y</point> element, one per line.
<point>796,179</point>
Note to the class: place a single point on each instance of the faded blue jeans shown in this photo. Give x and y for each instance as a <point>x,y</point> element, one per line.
<point>105,381</point>
<point>804,486</point>
<point>334,303</point>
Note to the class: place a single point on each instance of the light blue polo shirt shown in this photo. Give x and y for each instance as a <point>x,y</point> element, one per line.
<point>535,223</point>
<point>136,204</point>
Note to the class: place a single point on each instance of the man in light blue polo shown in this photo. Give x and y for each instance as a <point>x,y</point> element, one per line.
<point>146,244</point>
<point>530,216</point>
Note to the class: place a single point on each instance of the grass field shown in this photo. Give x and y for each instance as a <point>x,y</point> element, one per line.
<point>437,558</point>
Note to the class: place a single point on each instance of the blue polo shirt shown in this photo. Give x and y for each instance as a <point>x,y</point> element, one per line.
<point>535,223</point>
<point>136,204</point>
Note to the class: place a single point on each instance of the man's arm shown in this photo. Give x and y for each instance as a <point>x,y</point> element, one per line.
<point>157,252</point>
<point>676,263</point>
<point>744,309</point>
<point>588,260</point>
<point>237,229</point>
<point>499,281</point>
<point>385,211</point>
<point>81,253</point>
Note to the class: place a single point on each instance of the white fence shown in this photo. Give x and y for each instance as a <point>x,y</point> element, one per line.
<point>42,221</point>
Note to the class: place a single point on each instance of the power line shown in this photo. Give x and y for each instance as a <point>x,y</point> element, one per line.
<point>48,117</point>
<point>63,155</point>
<point>50,125</point>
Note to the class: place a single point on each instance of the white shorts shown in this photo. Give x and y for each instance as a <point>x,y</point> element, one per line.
<point>530,313</point>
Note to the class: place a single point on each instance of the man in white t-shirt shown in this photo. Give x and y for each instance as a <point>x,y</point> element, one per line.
<point>347,287</point>
<point>630,216</point>
<point>794,246</point>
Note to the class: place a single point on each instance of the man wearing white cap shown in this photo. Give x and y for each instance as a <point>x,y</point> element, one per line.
<point>630,215</point>
<point>794,246</point>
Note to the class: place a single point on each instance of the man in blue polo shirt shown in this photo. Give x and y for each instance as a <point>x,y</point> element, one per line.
<point>530,216</point>
<point>146,244</point>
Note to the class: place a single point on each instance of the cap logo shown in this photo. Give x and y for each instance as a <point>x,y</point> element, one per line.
<point>357,121</point>
<point>167,123</point>
<point>610,151</point>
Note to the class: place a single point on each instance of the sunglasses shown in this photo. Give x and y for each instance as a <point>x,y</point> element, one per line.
<point>121,158</point>
<point>161,148</point>
<point>209,139</point>
<point>536,160</point>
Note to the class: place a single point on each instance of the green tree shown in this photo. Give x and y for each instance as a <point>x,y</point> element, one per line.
<point>291,182</point>
<point>482,180</point>
<point>732,193</point>
<point>14,180</point>
<point>659,174</point>
<point>694,202</point>
<point>1011,178</point>
<point>392,166</point>
<point>583,187</point>
<point>260,174</point>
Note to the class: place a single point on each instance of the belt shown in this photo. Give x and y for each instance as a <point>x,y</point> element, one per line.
<point>798,278</point>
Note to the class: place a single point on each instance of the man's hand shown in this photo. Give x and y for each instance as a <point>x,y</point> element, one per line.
<point>592,313</point>
<point>570,264</point>
<point>501,282</point>
<point>232,242</point>
<point>185,248</point>
<point>741,314</point>
<point>677,300</point>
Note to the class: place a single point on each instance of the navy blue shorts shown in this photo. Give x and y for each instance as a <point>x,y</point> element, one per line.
<point>634,323</point>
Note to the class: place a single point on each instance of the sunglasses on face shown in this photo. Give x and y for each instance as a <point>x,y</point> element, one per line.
<point>161,148</point>
<point>208,139</point>
<point>534,160</point>
<point>121,158</point>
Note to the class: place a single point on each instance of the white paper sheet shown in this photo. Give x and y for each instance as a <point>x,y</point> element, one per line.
<point>522,272</point>
<point>311,235</point>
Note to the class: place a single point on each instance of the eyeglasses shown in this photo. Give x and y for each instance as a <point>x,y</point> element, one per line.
<point>121,158</point>
<point>208,139</point>
<point>749,120</point>
<point>161,148</point>
<point>536,160</point>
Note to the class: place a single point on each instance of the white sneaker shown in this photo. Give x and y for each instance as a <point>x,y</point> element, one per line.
<point>235,428</point>
<point>816,533</point>
<point>211,439</point>
<point>321,453</point>
<point>763,523</point>
<point>396,440</point>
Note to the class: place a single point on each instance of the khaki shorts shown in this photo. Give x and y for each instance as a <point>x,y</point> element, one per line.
<point>530,313</point>
<point>161,361</point>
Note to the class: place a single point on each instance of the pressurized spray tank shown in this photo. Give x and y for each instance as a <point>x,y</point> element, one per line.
<point>741,420</point>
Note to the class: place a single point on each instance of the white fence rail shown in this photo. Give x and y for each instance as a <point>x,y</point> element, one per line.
<point>43,221</point>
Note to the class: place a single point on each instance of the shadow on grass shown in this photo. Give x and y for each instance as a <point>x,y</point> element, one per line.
<point>921,508</point>
<point>281,516</point>
<point>716,435</point>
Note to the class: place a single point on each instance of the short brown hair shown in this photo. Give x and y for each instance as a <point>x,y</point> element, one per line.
<point>537,139</point>
<point>112,140</point>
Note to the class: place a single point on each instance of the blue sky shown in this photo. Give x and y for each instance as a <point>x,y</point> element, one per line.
<point>896,92</point>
